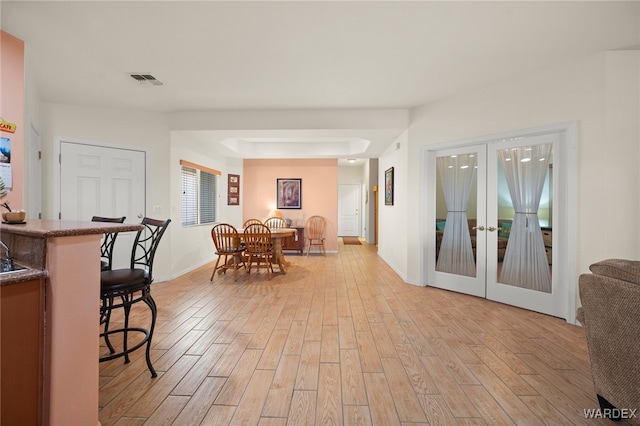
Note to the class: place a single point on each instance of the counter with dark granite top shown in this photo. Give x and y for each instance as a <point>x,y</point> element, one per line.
<point>64,228</point>
<point>22,276</point>
<point>27,242</point>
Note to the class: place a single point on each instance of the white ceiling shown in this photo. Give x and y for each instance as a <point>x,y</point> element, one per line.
<point>289,55</point>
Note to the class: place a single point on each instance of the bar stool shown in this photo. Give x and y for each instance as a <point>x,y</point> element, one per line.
<point>122,288</point>
<point>108,241</point>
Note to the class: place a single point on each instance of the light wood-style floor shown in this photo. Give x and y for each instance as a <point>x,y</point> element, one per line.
<point>342,339</point>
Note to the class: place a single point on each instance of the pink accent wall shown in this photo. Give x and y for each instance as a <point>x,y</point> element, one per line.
<point>12,110</point>
<point>319,191</point>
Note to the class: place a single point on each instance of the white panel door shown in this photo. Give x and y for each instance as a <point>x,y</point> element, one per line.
<point>348,210</point>
<point>103,181</point>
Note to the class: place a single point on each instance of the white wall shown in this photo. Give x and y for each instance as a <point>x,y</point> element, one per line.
<point>601,93</point>
<point>32,118</point>
<point>192,246</point>
<point>144,130</point>
<point>394,230</point>
<point>349,174</point>
<point>395,120</point>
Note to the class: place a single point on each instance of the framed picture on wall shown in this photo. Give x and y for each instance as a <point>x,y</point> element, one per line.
<point>388,187</point>
<point>233,192</point>
<point>289,193</point>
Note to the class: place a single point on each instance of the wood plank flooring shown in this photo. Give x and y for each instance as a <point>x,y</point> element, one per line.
<point>342,339</point>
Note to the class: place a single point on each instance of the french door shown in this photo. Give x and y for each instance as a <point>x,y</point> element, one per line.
<point>457,195</point>
<point>490,221</point>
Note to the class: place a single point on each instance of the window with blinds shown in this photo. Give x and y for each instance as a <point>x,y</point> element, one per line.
<point>199,196</point>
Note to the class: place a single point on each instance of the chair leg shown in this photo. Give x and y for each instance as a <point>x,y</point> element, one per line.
<point>125,344</point>
<point>106,306</point>
<point>127,302</point>
<point>154,312</point>
<point>268,265</point>
<point>215,268</point>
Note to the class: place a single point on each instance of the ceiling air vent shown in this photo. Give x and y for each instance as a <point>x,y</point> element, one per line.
<point>146,78</point>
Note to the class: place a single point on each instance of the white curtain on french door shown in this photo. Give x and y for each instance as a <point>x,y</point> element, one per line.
<point>456,251</point>
<point>525,262</point>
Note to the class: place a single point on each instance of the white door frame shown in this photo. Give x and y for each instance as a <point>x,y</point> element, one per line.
<point>565,228</point>
<point>57,143</point>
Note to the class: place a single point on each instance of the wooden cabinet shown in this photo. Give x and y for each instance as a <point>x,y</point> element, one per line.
<point>295,242</point>
<point>22,340</point>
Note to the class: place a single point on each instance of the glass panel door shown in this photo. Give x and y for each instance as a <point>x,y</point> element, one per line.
<point>520,214</point>
<point>458,195</point>
<point>497,233</point>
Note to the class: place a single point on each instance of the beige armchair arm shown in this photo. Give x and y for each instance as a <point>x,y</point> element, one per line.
<point>620,269</point>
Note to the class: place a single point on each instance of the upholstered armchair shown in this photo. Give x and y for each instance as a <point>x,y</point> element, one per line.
<point>610,313</point>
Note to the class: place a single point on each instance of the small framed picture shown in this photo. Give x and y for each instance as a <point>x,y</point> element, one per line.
<point>388,187</point>
<point>289,193</point>
<point>233,184</point>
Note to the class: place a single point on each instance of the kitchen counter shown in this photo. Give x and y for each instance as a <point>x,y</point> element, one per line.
<point>66,254</point>
<point>21,276</point>
<point>64,228</point>
<point>26,243</point>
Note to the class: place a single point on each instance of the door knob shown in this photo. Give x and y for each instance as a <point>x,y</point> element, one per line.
<point>479,228</point>
<point>139,215</point>
<point>491,229</point>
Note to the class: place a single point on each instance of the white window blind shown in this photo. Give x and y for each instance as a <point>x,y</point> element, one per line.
<point>199,194</point>
<point>189,196</point>
<point>208,197</point>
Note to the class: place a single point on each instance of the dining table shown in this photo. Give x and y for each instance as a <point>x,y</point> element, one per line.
<point>277,236</point>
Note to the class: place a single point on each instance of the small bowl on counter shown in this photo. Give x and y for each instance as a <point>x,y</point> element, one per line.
<point>14,217</point>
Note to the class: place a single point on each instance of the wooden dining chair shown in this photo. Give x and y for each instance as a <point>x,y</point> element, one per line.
<point>250,222</point>
<point>258,243</point>
<point>314,232</point>
<point>227,242</point>
<point>275,223</point>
